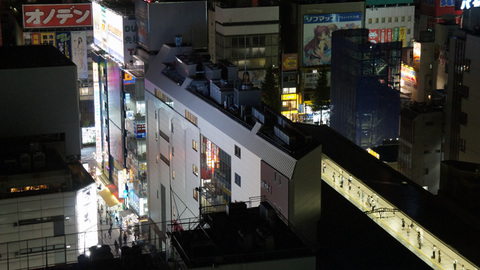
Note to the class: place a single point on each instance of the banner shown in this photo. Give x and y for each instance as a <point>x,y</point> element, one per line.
<point>64,44</point>
<point>79,52</point>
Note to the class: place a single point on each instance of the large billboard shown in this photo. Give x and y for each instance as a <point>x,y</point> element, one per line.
<point>57,15</point>
<point>114,33</point>
<point>317,35</point>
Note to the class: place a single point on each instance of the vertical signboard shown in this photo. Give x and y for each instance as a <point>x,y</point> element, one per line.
<point>98,126</point>
<point>64,43</point>
<point>36,38</point>
<point>47,38</point>
<point>79,52</point>
<point>317,34</point>
<point>129,39</point>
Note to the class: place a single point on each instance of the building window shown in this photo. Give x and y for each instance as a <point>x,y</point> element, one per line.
<point>238,180</point>
<point>195,170</point>
<point>370,20</point>
<point>396,19</point>
<point>195,194</point>
<point>425,171</point>
<point>462,145</point>
<point>171,127</point>
<point>277,178</point>
<point>389,19</point>
<point>463,118</point>
<point>238,152</point>
<point>192,118</point>
<point>195,145</point>
<point>173,151</point>
<point>409,18</point>
<point>157,158</point>
<point>173,174</point>
<point>409,31</point>
<point>403,18</point>
<point>376,20</point>
<point>383,19</point>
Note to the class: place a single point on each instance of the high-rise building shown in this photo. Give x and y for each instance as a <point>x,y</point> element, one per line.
<point>462,117</point>
<point>365,97</point>
<point>246,34</point>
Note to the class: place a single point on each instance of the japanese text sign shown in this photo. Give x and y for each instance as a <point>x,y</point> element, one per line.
<point>57,15</point>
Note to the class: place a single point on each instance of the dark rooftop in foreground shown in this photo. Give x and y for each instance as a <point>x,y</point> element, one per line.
<point>239,235</point>
<point>32,56</point>
<point>31,165</point>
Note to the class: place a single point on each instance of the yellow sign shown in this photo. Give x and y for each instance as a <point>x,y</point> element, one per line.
<point>289,97</point>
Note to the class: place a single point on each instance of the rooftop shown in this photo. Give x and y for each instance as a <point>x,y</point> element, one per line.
<point>240,234</point>
<point>32,56</point>
<point>32,166</point>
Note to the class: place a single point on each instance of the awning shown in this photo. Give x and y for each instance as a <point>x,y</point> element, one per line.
<point>108,197</point>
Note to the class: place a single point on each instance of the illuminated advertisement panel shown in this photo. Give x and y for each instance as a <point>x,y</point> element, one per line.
<point>98,127</point>
<point>99,26</point>
<point>290,61</point>
<point>56,15</point>
<point>114,33</point>
<point>36,39</point>
<point>408,79</point>
<point>417,51</point>
<point>86,217</point>
<point>317,35</point>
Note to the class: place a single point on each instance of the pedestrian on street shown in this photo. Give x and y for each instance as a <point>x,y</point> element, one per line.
<point>125,238</point>
<point>455,264</point>
<point>439,256</point>
<point>433,252</point>
<point>403,224</point>
<point>419,240</point>
<point>324,167</point>
<point>110,233</point>
<point>341,181</point>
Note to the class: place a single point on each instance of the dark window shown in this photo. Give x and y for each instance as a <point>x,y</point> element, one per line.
<point>277,178</point>
<point>238,180</point>
<point>238,152</point>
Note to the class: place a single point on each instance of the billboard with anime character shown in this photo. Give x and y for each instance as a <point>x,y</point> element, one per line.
<point>317,35</point>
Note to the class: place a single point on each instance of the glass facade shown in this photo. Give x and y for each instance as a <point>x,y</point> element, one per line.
<point>259,51</point>
<point>216,174</point>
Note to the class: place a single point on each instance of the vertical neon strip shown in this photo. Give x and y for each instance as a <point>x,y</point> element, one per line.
<point>98,122</point>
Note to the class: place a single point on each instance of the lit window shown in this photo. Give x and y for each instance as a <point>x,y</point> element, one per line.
<point>173,174</point>
<point>383,19</point>
<point>195,170</point>
<point>376,20</point>
<point>370,20</point>
<point>195,194</point>
<point>195,145</point>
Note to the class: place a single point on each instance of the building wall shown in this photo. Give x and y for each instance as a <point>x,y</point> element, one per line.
<point>49,104</point>
<point>159,23</point>
<point>391,17</point>
<point>470,131</point>
<point>28,238</point>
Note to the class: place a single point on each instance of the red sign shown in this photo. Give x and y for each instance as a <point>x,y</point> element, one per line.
<point>60,15</point>
<point>373,36</point>
<point>389,34</point>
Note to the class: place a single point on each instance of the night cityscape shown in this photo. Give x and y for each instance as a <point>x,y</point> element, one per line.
<point>239,134</point>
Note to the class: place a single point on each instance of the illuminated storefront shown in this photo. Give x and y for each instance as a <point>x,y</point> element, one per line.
<point>216,174</point>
